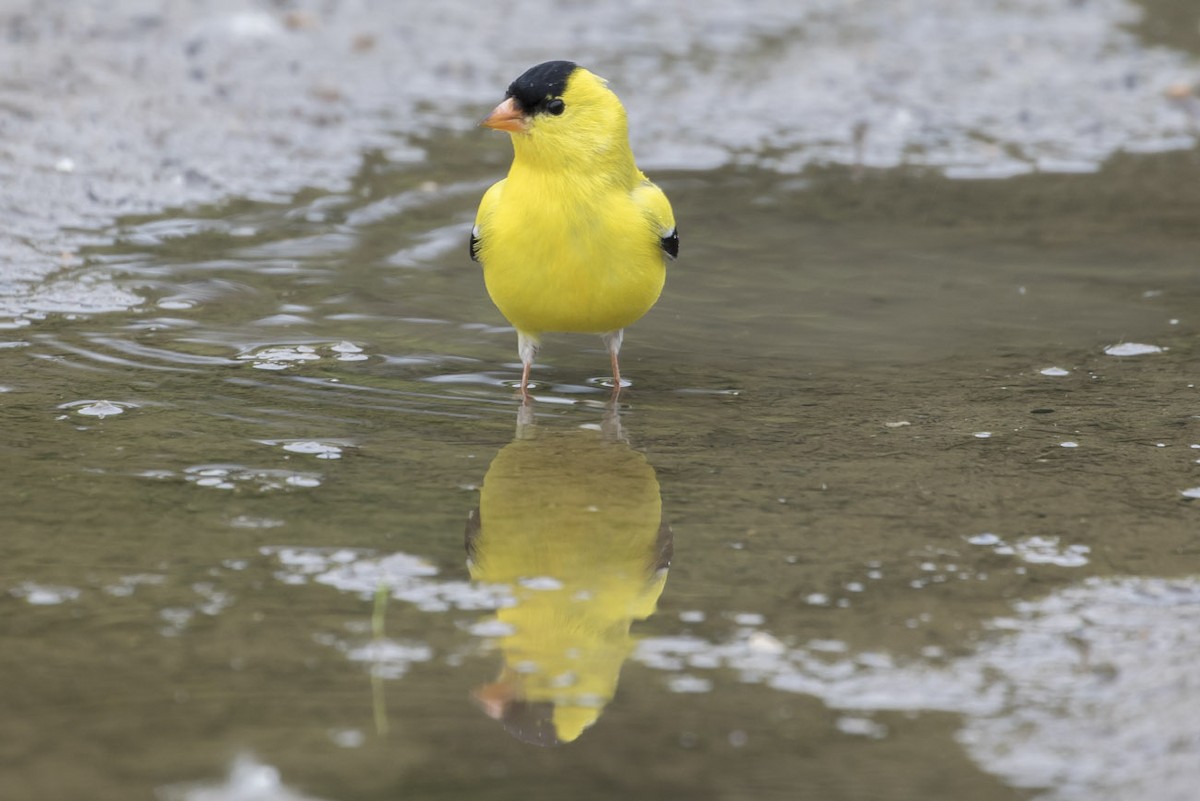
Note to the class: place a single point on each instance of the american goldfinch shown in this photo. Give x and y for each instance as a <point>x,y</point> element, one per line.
<point>576,238</point>
<point>572,523</point>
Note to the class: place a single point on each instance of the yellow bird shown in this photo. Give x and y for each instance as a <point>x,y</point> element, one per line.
<point>572,523</point>
<point>576,238</point>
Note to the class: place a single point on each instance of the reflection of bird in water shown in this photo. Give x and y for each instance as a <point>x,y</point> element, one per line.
<point>572,523</point>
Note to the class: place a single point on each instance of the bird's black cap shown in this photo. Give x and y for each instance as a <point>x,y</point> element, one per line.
<point>531,722</point>
<point>546,80</point>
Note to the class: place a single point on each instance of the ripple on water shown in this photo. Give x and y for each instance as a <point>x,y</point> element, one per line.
<point>492,628</point>
<point>606,382</point>
<point>861,727</point>
<point>98,408</point>
<point>282,320</point>
<point>348,352</point>
<point>431,246</point>
<point>1132,349</point>
<point>320,450</point>
<point>687,683</point>
<point>248,780</point>
<point>126,585</point>
<point>176,304</point>
<point>44,594</point>
<point>247,521</point>
<point>406,578</point>
<point>388,659</point>
<point>233,476</point>
<point>489,379</point>
<point>1035,550</point>
<point>715,391</point>
<point>329,449</point>
<point>280,357</point>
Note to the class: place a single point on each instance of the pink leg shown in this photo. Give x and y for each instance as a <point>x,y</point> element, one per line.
<point>612,340</point>
<point>527,348</point>
<point>525,396</point>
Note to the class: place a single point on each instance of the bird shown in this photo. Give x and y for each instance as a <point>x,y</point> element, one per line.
<point>570,524</point>
<point>575,238</point>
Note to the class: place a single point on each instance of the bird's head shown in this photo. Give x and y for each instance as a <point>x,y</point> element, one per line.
<point>559,114</point>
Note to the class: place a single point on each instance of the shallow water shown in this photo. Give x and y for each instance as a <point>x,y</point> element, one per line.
<point>901,502</point>
<point>929,538</point>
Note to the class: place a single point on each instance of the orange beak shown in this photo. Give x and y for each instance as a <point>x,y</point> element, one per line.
<point>494,698</point>
<point>507,117</point>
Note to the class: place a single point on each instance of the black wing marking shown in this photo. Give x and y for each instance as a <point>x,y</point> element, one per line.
<point>670,243</point>
<point>475,243</point>
<point>665,547</point>
<point>471,535</point>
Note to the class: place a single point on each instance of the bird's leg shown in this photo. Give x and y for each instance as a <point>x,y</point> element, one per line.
<point>612,341</point>
<point>526,398</point>
<point>527,348</point>
<point>610,424</point>
<point>526,425</point>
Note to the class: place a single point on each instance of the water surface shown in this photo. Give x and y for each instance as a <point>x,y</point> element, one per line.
<point>928,538</point>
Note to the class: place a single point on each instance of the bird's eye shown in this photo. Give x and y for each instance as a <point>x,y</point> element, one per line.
<point>556,107</point>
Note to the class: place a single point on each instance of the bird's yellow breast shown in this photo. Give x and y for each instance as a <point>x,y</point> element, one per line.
<point>560,255</point>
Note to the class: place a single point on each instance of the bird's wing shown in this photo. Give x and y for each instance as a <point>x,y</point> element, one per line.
<point>486,206</point>
<point>658,209</point>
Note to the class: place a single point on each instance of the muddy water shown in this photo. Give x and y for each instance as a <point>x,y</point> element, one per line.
<point>929,538</point>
